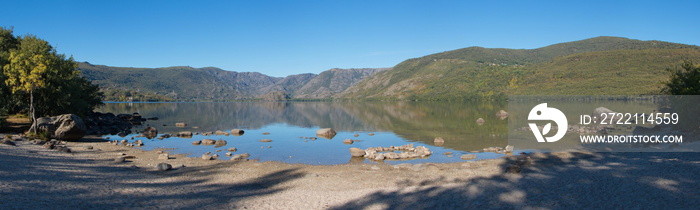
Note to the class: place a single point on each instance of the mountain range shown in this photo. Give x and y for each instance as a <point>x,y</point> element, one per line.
<point>596,66</point>
<point>183,83</point>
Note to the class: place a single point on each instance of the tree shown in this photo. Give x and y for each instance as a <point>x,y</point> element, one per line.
<point>33,71</point>
<point>684,81</point>
<point>27,67</point>
<point>7,42</point>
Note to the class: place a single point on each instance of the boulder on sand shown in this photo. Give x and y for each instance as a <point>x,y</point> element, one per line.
<point>62,127</point>
<point>164,166</point>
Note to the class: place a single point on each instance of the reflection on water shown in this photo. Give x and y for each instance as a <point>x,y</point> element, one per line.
<point>394,123</point>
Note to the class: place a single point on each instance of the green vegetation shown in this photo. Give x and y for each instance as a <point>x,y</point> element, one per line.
<point>597,66</point>
<point>37,80</point>
<point>684,81</point>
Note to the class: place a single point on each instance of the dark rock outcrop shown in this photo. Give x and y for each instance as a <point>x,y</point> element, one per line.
<point>106,123</point>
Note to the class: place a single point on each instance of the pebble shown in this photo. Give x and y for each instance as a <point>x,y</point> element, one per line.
<point>206,157</point>
<point>164,166</point>
<point>513,169</point>
<point>163,156</point>
<point>119,160</point>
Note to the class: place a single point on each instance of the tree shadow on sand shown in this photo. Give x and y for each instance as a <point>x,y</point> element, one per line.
<point>581,181</point>
<point>27,182</point>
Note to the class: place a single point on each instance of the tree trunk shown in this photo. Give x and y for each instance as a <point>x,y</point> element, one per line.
<point>31,109</point>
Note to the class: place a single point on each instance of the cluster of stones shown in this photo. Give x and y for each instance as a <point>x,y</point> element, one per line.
<point>392,152</point>
<point>57,145</point>
<point>189,134</point>
<point>125,142</point>
<point>507,149</point>
<point>217,143</point>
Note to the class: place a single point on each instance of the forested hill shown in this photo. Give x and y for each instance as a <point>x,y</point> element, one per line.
<point>596,66</point>
<point>182,83</point>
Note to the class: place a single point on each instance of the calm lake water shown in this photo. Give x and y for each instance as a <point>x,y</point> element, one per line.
<point>289,123</point>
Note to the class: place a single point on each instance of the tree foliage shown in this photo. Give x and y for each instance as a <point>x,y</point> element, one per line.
<point>36,78</point>
<point>684,81</point>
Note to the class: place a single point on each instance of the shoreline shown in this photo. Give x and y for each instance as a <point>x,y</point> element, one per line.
<point>32,176</point>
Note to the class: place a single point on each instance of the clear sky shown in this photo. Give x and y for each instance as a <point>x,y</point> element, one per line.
<point>281,38</point>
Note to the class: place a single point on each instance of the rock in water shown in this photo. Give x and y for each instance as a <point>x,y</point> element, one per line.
<point>328,133</point>
<point>237,132</point>
<point>265,140</point>
<point>185,134</point>
<point>502,114</point>
<point>220,143</point>
<point>232,149</point>
<point>164,166</point>
<point>181,124</point>
<point>198,142</point>
<point>439,140</point>
<point>357,152</point>
<point>468,157</point>
<point>150,132</point>
<point>208,141</point>
<point>348,141</point>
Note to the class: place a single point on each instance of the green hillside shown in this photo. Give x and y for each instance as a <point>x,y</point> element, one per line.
<point>597,66</point>
<point>179,83</point>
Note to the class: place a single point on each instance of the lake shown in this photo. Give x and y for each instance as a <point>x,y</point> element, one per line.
<point>291,124</point>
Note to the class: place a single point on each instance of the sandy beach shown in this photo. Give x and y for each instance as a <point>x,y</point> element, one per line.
<point>32,176</point>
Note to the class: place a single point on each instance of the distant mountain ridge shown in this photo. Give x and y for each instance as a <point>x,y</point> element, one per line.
<point>183,83</point>
<point>596,66</point>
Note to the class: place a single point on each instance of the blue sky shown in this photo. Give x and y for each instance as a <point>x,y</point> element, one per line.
<point>281,38</point>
